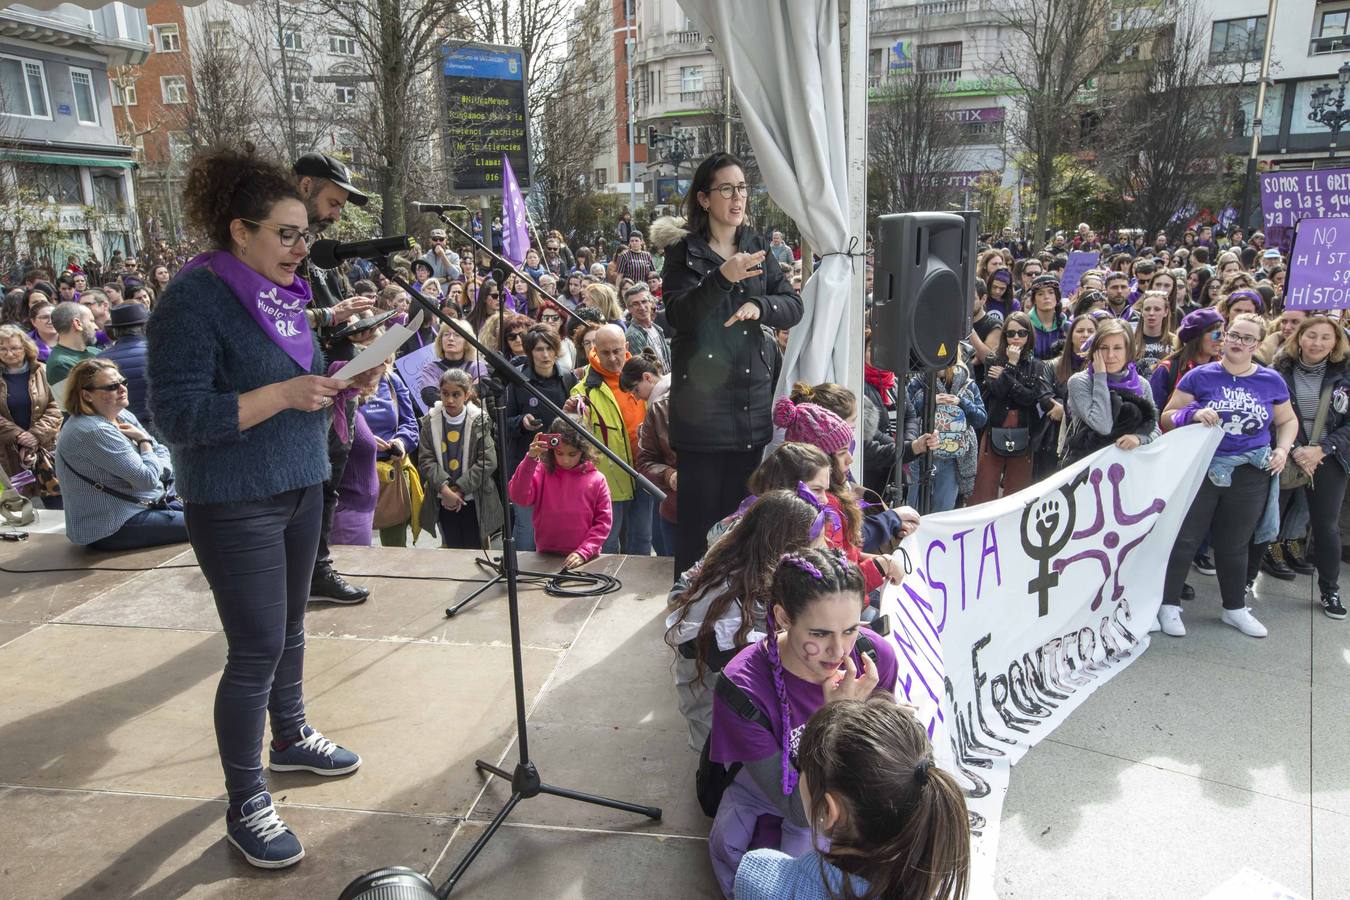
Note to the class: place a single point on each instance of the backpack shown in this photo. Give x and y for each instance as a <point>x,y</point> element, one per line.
<point>713,778</point>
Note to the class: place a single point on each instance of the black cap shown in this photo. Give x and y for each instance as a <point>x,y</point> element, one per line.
<point>319,165</point>
<point>132,313</point>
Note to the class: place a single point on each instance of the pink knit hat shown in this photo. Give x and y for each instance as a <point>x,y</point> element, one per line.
<point>810,423</point>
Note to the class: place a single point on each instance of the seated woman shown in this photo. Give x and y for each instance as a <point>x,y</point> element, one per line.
<point>718,606</point>
<point>114,476</point>
<point>770,690</point>
<point>1108,401</point>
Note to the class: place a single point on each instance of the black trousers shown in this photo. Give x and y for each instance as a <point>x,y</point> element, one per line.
<point>712,485</point>
<point>1325,496</point>
<point>1230,515</point>
<point>258,558</point>
<point>459,530</point>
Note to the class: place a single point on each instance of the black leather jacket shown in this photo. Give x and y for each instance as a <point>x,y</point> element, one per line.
<point>722,379</point>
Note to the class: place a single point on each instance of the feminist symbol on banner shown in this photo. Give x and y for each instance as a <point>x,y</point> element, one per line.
<point>1047,526</point>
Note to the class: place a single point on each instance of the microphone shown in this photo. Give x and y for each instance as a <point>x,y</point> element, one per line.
<point>438,207</point>
<point>327,254</point>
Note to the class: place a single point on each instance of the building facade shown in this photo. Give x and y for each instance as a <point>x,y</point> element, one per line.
<point>66,186</point>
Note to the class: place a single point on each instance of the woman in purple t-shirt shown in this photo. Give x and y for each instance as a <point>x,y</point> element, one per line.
<point>1245,399</point>
<point>817,596</point>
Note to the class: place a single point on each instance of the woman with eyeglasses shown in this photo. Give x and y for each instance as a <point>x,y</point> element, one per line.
<point>43,333</point>
<point>29,415</point>
<point>719,295</point>
<point>1238,498</point>
<point>115,478</point>
<point>239,395</point>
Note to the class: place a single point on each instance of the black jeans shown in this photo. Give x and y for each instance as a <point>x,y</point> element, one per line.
<point>1230,515</point>
<point>1325,496</point>
<point>258,558</point>
<point>712,485</point>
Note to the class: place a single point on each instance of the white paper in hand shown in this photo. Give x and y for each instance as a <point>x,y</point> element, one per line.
<point>382,348</point>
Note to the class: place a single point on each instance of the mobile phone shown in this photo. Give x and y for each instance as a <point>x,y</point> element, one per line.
<point>14,535</point>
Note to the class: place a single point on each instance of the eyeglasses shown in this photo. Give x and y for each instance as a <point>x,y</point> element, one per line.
<point>514,335</point>
<point>288,234</point>
<point>733,190</point>
<point>113,386</point>
<point>45,317</point>
<point>1243,340</point>
<point>1018,333</point>
<point>553,317</point>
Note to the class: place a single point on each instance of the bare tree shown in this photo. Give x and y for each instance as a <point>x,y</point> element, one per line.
<point>278,35</point>
<point>222,107</point>
<point>912,143</point>
<point>398,42</point>
<point>1055,51</point>
<point>1181,112</point>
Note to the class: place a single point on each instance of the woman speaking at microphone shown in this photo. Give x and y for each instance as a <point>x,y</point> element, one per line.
<point>237,395</point>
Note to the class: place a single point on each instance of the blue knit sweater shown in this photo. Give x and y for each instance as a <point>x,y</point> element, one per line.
<point>204,351</point>
<point>771,875</point>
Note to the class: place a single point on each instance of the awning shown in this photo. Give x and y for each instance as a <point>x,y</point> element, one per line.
<point>48,5</point>
<point>66,159</point>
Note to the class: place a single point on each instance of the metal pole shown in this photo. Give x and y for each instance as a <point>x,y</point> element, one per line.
<point>629,45</point>
<point>726,111</point>
<point>856,127</point>
<point>1249,184</point>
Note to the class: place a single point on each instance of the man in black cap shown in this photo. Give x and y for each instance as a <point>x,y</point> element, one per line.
<point>326,186</point>
<point>126,328</point>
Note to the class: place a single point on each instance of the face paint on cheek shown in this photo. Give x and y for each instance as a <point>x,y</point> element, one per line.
<point>811,649</point>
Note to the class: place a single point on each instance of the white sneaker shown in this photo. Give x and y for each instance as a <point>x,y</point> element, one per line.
<point>1245,622</point>
<point>1169,617</point>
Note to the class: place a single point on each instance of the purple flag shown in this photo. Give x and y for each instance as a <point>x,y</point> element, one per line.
<point>515,234</point>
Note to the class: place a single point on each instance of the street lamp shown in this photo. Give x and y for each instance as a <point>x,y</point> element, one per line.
<point>1329,111</point>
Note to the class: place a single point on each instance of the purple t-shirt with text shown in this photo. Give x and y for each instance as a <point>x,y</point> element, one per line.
<point>736,740</point>
<point>1245,405</point>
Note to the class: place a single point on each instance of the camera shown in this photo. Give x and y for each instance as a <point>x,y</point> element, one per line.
<point>553,440</point>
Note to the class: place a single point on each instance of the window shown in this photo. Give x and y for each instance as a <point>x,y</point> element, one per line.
<point>86,105</point>
<point>601,177</point>
<point>167,38</point>
<point>173,88</point>
<point>1238,40</point>
<point>60,183</point>
<point>291,39</point>
<point>1333,35</point>
<point>108,193</point>
<point>342,44</point>
<point>180,146</point>
<point>297,91</point>
<point>220,35</point>
<point>344,93</point>
<point>981,133</point>
<point>940,57</point>
<point>23,88</point>
<point>124,94</point>
<point>691,79</point>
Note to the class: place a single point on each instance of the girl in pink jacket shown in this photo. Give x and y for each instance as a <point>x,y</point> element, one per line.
<point>558,478</point>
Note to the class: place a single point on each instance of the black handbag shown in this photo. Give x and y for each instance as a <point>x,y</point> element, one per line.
<point>1009,441</point>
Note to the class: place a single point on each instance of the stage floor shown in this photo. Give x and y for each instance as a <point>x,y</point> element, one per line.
<point>1208,756</point>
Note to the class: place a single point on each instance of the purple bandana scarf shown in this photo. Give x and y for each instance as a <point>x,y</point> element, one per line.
<point>279,311</point>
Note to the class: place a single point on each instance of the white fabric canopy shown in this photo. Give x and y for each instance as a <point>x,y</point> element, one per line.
<point>785,62</point>
<point>49,5</point>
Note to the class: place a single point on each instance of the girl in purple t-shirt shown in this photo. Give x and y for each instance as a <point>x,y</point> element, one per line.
<point>817,596</point>
<point>1249,402</point>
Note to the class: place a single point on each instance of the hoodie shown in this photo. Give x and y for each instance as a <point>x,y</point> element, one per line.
<point>571,508</point>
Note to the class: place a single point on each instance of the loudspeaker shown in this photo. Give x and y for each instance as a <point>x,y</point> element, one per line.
<point>923,289</point>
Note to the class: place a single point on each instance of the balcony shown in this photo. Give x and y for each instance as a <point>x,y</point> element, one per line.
<point>122,40</point>
<point>1337,43</point>
<point>905,17</point>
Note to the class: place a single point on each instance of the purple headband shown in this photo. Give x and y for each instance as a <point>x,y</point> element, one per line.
<point>825,514</point>
<point>802,563</point>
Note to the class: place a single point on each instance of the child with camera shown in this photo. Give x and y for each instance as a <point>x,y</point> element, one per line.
<point>568,497</point>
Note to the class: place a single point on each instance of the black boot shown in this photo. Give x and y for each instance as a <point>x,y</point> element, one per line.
<point>1295,559</point>
<point>1273,564</point>
<point>327,584</point>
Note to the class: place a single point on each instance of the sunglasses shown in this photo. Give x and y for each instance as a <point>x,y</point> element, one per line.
<point>514,335</point>
<point>114,386</point>
<point>1016,333</point>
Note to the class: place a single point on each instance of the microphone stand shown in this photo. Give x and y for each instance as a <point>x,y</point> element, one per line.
<point>525,780</point>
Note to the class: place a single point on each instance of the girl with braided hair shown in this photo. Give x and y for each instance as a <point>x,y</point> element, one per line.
<point>895,823</point>
<point>815,652</point>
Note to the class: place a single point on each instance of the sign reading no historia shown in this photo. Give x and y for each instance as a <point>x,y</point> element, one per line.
<point>1287,197</point>
<point>484,115</point>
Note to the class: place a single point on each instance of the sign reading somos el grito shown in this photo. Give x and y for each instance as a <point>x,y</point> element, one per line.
<point>484,115</point>
<point>1319,266</point>
<point>1287,197</point>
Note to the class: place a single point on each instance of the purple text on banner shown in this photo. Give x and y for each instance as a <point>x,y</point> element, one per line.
<point>410,368</point>
<point>1319,266</point>
<point>1080,262</point>
<point>1287,197</point>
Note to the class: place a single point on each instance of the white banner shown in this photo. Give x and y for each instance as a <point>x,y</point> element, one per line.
<point>1020,608</point>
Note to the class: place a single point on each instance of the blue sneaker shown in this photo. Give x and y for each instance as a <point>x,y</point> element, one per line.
<point>262,837</point>
<point>313,753</point>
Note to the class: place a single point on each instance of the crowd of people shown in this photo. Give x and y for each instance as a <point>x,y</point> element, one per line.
<point>199,401</point>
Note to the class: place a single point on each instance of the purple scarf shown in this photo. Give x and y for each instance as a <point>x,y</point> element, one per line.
<point>279,311</point>
<point>1127,380</point>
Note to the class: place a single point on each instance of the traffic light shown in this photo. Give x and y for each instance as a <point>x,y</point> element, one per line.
<point>651,135</point>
